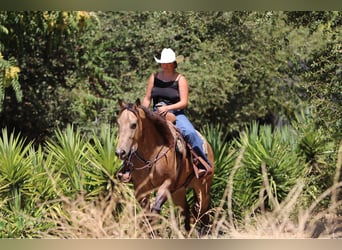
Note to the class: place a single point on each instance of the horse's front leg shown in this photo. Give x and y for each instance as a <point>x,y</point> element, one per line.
<point>142,194</point>
<point>161,196</point>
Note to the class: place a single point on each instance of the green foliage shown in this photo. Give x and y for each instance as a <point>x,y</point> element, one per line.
<point>80,164</point>
<point>319,152</point>
<point>15,169</point>
<point>25,188</point>
<point>89,111</point>
<point>249,66</point>
<point>68,154</point>
<point>46,46</point>
<point>102,161</point>
<point>37,183</point>
<point>321,86</point>
<point>9,77</point>
<point>283,168</point>
<point>18,224</point>
<point>42,187</point>
<point>224,156</point>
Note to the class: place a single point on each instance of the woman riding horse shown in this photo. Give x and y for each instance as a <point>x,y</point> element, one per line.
<point>171,89</point>
<point>149,144</point>
<point>155,154</point>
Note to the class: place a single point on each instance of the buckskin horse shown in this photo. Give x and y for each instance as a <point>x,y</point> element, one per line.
<point>156,157</point>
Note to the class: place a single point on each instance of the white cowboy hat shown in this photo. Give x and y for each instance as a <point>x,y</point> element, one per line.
<point>168,56</point>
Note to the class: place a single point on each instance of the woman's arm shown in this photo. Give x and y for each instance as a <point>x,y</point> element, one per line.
<point>183,93</point>
<point>147,99</point>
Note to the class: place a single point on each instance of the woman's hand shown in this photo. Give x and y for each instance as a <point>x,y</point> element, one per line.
<point>162,110</point>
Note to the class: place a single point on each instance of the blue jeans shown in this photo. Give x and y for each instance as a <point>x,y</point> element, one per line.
<point>190,134</point>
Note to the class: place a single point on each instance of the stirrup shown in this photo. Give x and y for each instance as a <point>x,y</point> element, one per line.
<point>199,161</point>
<point>201,173</point>
<point>207,170</point>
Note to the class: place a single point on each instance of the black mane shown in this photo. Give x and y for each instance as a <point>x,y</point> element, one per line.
<point>161,125</point>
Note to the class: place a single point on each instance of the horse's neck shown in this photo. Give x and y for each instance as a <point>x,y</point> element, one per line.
<point>151,139</point>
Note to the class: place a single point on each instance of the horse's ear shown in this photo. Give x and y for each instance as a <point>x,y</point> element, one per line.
<point>121,103</point>
<point>137,102</point>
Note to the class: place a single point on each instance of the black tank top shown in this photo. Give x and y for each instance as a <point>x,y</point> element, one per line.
<point>166,92</point>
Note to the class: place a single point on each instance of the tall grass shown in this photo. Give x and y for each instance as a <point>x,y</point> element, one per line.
<point>66,188</point>
<point>96,220</point>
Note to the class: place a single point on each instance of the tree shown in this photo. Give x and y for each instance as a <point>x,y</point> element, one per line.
<point>241,66</point>
<point>46,49</point>
<point>321,86</point>
<point>9,73</point>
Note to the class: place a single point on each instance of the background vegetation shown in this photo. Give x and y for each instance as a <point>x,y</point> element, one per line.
<point>265,89</point>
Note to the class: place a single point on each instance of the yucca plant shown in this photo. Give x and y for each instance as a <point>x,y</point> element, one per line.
<point>68,156</point>
<point>15,169</point>
<point>269,168</point>
<point>41,185</point>
<point>102,161</point>
<point>313,142</point>
<point>44,188</point>
<point>20,214</point>
<point>224,155</point>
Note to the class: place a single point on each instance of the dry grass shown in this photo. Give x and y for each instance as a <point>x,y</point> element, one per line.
<point>118,215</point>
<point>84,219</point>
<point>288,219</point>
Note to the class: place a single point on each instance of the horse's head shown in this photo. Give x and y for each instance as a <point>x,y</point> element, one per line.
<point>129,128</point>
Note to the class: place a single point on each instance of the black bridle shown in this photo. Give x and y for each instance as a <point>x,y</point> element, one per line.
<point>148,163</point>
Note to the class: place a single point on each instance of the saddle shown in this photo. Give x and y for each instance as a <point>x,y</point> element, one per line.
<point>185,150</point>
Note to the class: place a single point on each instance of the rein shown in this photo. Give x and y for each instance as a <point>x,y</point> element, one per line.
<point>148,163</point>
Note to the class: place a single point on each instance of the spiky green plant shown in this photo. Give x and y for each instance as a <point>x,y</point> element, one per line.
<point>224,156</point>
<point>41,185</point>
<point>269,155</point>
<point>15,169</point>
<point>20,210</point>
<point>68,156</point>
<point>102,161</point>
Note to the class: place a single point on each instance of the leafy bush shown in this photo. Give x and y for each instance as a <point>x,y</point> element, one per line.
<point>319,151</point>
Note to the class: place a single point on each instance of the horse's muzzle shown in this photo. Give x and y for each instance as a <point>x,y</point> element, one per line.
<point>121,154</point>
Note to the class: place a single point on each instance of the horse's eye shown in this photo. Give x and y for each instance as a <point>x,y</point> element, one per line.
<point>133,126</point>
